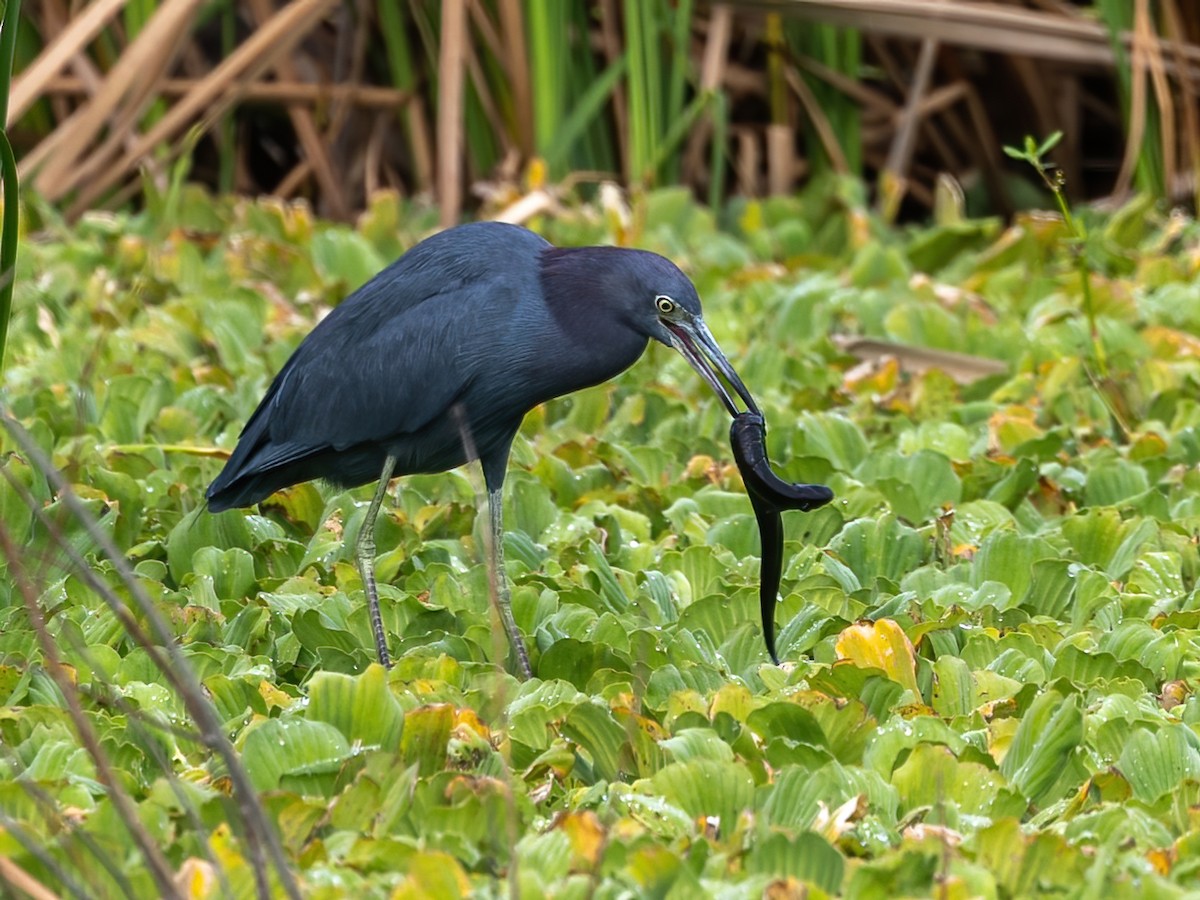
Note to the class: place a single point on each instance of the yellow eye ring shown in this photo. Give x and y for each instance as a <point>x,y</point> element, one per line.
<point>665,304</point>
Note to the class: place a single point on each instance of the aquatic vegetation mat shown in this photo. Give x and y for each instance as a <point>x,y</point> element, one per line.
<point>988,639</point>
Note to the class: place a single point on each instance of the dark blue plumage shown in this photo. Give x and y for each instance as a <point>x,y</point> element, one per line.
<point>460,337</point>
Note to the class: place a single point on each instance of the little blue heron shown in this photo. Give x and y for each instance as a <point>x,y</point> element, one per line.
<point>437,359</point>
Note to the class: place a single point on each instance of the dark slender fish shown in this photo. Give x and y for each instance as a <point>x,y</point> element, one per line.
<point>769,495</point>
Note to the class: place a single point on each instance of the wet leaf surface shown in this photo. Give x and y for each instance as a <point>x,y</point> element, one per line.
<point>988,639</point>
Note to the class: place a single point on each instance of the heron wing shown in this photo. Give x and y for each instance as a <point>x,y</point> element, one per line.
<point>375,377</point>
<point>395,355</point>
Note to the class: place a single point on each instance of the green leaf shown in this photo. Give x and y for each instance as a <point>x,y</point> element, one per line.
<point>953,687</point>
<point>343,255</point>
<point>361,707</point>
<point>532,713</point>
<point>917,486</point>
<point>697,743</point>
<point>1156,763</point>
<point>1158,575</point>
<point>808,858</point>
<point>787,720</point>
<point>203,531</point>
<point>705,788</point>
<point>610,589</point>
<point>597,733</point>
<point>335,646</point>
<point>932,777</point>
<point>234,698</point>
<point>231,571</point>
<point>277,748</point>
<point>1111,484</point>
<point>577,661</point>
<point>1014,487</point>
<point>1048,734</point>
<point>1049,143</point>
<point>893,739</point>
<point>1087,667</point>
<point>1009,559</point>
<point>798,795</point>
<point>880,547</point>
<point>830,437</point>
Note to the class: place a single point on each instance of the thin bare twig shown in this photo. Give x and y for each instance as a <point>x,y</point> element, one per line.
<point>215,93</point>
<point>816,115</point>
<point>306,129</point>
<point>35,848</point>
<point>365,95</point>
<point>452,58</point>
<point>126,90</point>
<point>66,45</point>
<point>126,809</point>
<point>14,876</point>
<point>167,657</point>
<point>899,158</point>
<point>516,64</point>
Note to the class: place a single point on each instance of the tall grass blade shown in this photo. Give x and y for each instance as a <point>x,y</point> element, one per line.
<point>680,24</point>
<point>673,138</point>
<point>585,110</point>
<point>452,63</point>
<point>719,162</point>
<point>596,148</point>
<point>639,93</point>
<point>8,172</point>
<point>393,22</point>
<point>1175,30</point>
<point>516,66</point>
<point>1143,161</point>
<point>548,64</point>
<point>227,127</point>
<point>840,50</point>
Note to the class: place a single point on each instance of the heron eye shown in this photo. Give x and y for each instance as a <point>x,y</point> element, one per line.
<point>664,303</point>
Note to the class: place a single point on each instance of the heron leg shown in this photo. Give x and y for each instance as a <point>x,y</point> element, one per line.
<point>503,595</point>
<point>364,552</point>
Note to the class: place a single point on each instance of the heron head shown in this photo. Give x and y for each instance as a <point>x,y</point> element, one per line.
<point>675,318</point>
<point>648,297</point>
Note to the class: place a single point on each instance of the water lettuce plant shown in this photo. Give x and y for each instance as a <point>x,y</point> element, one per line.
<point>988,639</point>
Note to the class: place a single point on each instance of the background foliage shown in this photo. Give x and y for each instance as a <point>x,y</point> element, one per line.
<point>491,101</point>
<point>990,637</point>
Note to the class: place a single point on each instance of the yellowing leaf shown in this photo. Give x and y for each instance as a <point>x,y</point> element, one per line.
<point>700,466</point>
<point>1009,428</point>
<point>536,174</point>
<point>1162,860</point>
<point>225,849</point>
<point>734,699</point>
<point>433,875</point>
<point>881,645</point>
<point>751,219</point>
<point>652,865</point>
<point>1170,343</point>
<point>878,377</point>
<point>196,878</point>
<point>469,719</point>
<point>586,834</point>
<point>274,696</point>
